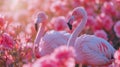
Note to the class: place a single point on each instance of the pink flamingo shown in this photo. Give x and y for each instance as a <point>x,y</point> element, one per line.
<point>51,40</point>
<point>90,50</point>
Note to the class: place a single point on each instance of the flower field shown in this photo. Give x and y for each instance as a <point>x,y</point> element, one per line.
<point>59,33</point>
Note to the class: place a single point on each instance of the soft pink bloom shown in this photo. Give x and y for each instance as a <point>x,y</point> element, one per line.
<point>45,61</point>
<point>65,56</point>
<point>37,55</point>
<point>113,65</point>
<point>105,21</point>
<point>14,28</point>
<point>61,57</point>
<point>8,58</point>
<point>117,56</point>
<point>90,10</point>
<point>101,34</point>
<point>109,8</point>
<point>58,7</point>
<point>6,40</point>
<point>98,26</point>
<point>117,28</point>
<point>75,3</point>
<point>30,30</point>
<point>59,23</point>
<point>91,23</point>
<point>63,52</point>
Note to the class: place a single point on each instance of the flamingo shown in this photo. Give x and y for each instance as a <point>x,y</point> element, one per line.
<point>51,40</point>
<point>90,49</point>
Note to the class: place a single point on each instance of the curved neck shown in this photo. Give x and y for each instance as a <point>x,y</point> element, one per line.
<point>39,34</point>
<point>77,31</point>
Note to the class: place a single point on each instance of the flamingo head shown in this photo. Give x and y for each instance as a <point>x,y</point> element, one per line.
<point>77,14</point>
<point>70,22</point>
<point>41,18</point>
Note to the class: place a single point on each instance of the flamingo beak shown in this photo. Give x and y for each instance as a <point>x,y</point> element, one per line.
<point>36,26</point>
<point>70,22</point>
<point>69,25</point>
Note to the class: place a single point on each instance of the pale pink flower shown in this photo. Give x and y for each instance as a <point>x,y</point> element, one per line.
<point>65,56</point>
<point>101,34</point>
<point>109,8</point>
<point>9,58</point>
<point>59,23</point>
<point>90,11</point>
<point>63,52</point>
<point>58,7</point>
<point>105,21</point>
<point>30,30</point>
<point>6,40</point>
<point>91,22</point>
<point>75,3</point>
<point>117,28</point>
<point>117,56</point>
<point>98,26</point>
<point>45,61</point>
<point>113,65</point>
<point>14,28</point>
<point>61,57</point>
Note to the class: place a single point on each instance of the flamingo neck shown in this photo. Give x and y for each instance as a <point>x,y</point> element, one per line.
<point>76,32</point>
<point>39,34</point>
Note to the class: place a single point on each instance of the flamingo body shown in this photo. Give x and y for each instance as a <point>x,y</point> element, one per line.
<point>89,49</point>
<point>52,40</point>
<point>93,50</point>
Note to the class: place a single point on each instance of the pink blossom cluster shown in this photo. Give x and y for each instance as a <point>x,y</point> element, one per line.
<point>117,59</point>
<point>117,56</point>
<point>61,57</point>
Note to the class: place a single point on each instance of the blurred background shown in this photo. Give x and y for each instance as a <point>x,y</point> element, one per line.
<point>103,15</point>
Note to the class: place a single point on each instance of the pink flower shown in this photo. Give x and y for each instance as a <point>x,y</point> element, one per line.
<point>14,28</point>
<point>46,61</point>
<point>109,8</point>
<point>90,10</point>
<point>58,7</point>
<point>61,57</point>
<point>6,40</point>
<point>101,34</point>
<point>117,28</point>
<point>63,52</point>
<point>30,29</point>
<point>75,3</point>
<point>105,21</point>
<point>59,23</point>
<point>117,56</point>
<point>91,22</point>
<point>65,56</point>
